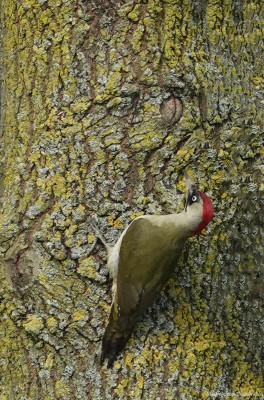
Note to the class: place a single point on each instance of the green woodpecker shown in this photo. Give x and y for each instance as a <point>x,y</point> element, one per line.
<point>142,261</point>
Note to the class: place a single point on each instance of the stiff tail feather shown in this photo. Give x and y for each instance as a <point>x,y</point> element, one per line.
<point>115,338</point>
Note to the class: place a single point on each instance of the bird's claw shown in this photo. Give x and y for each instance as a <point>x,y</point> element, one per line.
<point>98,234</point>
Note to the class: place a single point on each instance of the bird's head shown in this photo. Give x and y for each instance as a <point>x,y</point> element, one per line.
<point>198,205</point>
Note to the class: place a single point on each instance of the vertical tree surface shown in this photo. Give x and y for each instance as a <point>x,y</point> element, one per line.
<point>104,105</point>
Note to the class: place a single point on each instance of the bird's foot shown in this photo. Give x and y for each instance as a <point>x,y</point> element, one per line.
<point>99,235</point>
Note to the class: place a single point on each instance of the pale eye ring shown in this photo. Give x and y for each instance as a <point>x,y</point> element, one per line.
<point>194,198</point>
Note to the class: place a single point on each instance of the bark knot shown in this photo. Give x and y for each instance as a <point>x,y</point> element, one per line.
<point>171,110</point>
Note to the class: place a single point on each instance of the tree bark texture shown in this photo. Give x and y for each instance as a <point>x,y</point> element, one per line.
<point>104,105</point>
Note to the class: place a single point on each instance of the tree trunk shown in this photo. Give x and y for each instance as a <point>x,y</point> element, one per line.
<point>104,105</point>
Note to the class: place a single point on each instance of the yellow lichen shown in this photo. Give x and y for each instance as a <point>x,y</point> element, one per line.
<point>87,267</point>
<point>115,222</point>
<point>49,361</point>
<point>33,324</point>
<point>52,324</point>
<point>79,315</point>
<point>140,381</point>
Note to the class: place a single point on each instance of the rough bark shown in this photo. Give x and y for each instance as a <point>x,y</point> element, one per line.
<point>104,105</point>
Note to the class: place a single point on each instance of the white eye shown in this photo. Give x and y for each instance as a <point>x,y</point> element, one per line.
<point>194,198</point>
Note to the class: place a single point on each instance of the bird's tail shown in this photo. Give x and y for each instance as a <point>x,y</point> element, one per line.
<point>115,337</point>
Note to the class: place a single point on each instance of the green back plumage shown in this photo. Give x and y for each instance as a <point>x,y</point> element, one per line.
<point>149,252</point>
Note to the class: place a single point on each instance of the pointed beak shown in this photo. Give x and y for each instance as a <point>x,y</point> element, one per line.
<point>190,187</point>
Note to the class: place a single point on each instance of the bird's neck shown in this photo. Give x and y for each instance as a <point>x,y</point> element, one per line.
<point>182,224</point>
<point>189,221</point>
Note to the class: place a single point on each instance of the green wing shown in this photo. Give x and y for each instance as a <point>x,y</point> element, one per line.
<point>148,254</point>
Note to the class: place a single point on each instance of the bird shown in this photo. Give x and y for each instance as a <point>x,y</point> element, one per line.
<point>142,261</point>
